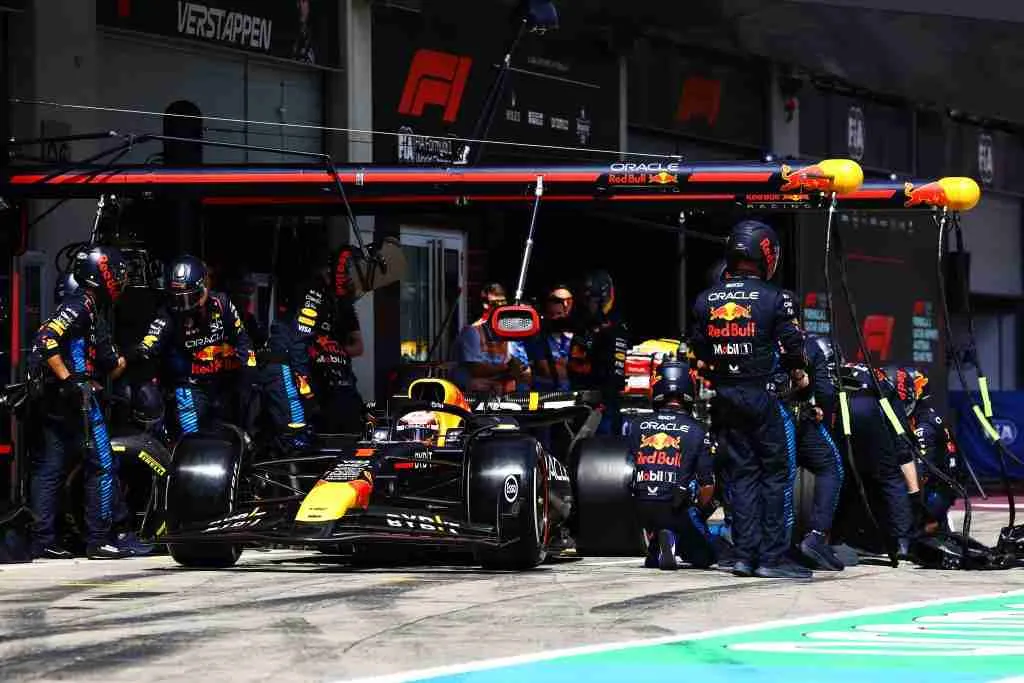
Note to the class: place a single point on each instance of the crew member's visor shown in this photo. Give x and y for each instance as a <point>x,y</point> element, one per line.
<point>186,301</point>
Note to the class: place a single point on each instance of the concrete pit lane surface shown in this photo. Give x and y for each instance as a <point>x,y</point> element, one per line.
<point>299,616</point>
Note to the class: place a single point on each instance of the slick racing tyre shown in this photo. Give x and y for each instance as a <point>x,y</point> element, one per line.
<point>507,487</point>
<point>607,524</point>
<point>202,486</point>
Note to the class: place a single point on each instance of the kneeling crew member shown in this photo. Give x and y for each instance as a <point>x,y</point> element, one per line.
<point>884,458</point>
<point>741,325</point>
<point>673,460</point>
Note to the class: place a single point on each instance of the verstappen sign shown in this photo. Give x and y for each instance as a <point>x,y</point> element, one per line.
<point>304,31</point>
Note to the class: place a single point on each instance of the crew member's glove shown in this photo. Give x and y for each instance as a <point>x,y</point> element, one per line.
<point>73,389</point>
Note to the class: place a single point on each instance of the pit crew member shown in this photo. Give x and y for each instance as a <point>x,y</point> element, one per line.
<point>71,353</point>
<point>597,355</point>
<point>202,348</point>
<point>884,459</point>
<point>308,381</point>
<point>938,450</point>
<point>549,351</point>
<point>487,364</point>
<point>673,480</point>
<point>740,326</point>
<point>817,452</point>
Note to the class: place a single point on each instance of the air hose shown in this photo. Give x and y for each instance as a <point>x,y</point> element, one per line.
<point>981,413</point>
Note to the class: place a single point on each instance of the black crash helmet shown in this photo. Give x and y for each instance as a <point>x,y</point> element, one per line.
<point>753,241</point>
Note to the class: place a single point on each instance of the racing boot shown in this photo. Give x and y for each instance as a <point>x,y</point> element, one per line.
<point>783,570</point>
<point>742,568</point>
<point>106,551</point>
<point>847,555</point>
<point>52,552</point>
<point>130,543</point>
<point>817,550</point>
<point>667,550</point>
<point>651,561</point>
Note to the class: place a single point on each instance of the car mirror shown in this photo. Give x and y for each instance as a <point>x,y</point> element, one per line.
<point>515,321</point>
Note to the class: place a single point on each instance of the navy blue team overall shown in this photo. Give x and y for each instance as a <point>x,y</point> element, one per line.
<point>816,449</point>
<point>73,421</point>
<point>672,456</point>
<point>938,447</point>
<point>740,326</point>
<point>206,353</point>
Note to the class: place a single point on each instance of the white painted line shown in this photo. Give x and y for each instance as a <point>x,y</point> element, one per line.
<point>455,669</point>
<point>638,561</point>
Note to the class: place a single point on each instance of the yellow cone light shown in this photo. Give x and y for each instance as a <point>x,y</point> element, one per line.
<point>846,174</point>
<point>962,194</point>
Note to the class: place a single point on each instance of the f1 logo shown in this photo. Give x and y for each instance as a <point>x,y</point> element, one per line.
<point>700,98</point>
<point>435,78</point>
<point>877,331</point>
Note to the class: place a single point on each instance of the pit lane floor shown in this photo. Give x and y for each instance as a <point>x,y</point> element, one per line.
<point>286,615</point>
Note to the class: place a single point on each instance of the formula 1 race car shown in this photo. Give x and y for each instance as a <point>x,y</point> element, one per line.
<point>437,472</point>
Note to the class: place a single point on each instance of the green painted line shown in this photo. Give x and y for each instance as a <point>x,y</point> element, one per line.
<point>966,640</point>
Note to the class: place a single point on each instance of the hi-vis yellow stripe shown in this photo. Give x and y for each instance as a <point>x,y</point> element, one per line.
<point>986,400</point>
<point>889,413</point>
<point>534,400</point>
<point>844,411</point>
<point>990,431</point>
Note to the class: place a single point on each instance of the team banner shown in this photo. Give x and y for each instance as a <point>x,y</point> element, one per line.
<point>891,263</point>
<point>302,30</point>
<point>1007,418</point>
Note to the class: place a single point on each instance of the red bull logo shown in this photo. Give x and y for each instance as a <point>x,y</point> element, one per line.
<point>809,179</point>
<point>931,194</point>
<point>731,311</point>
<point>659,442</point>
<point>663,178</point>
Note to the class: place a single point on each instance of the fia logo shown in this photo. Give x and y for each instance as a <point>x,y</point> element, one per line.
<point>855,133</point>
<point>1007,430</point>
<point>986,159</point>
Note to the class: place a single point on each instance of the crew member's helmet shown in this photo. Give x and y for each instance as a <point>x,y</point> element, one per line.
<point>341,269</point>
<point>147,405</point>
<point>420,425</point>
<point>598,294</point>
<point>824,343</point>
<point>66,285</point>
<point>188,285</point>
<point>672,383</point>
<point>908,385</point>
<point>753,241</point>
<point>101,270</point>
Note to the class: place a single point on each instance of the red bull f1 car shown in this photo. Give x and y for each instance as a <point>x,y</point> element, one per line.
<point>438,470</point>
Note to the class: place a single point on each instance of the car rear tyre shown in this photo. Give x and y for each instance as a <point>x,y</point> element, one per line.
<point>202,486</point>
<point>507,481</point>
<point>606,524</point>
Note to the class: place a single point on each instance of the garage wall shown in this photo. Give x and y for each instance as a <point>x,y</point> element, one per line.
<point>992,234</point>
<point>219,83</point>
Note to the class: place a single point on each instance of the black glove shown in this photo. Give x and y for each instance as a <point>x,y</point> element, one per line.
<point>74,390</point>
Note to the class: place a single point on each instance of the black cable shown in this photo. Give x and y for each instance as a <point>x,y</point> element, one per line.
<point>838,353</point>
<point>876,384</point>
<point>1001,450</point>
